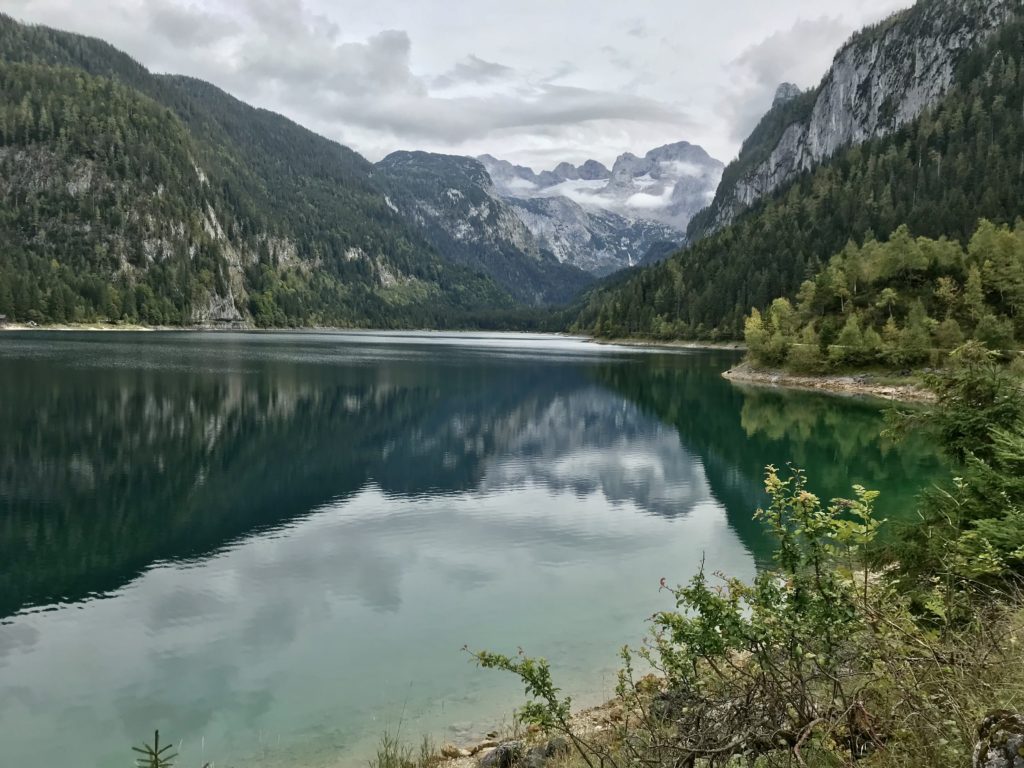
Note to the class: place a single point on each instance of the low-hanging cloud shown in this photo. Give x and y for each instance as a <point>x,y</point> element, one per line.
<point>473,69</point>
<point>792,55</point>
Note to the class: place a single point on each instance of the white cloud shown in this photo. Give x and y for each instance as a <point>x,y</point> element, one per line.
<point>536,82</point>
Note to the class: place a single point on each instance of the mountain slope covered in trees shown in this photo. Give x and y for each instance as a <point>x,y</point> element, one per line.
<point>958,162</point>
<point>130,196</point>
<point>902,303</point>
<point>883,78</point>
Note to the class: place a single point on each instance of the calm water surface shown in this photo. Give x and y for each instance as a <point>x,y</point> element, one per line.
<point>273,546</point>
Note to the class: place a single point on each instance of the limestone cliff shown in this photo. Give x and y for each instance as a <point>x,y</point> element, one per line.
<point>884,77</point>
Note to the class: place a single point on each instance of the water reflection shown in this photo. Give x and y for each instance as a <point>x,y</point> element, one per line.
<point>293,534</point>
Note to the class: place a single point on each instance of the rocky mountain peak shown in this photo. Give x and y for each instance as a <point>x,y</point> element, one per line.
<point>566,172</point>
<point>786,92</point>
<point>667,186</point>
<point>883,78</point>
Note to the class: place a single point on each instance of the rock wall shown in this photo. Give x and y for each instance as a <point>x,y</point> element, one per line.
<point>883,78</point>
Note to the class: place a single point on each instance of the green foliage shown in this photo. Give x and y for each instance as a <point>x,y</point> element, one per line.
<point>971,534</point>
<point>783,640</point>
<point>819,661</point>
<point>131,197</point>
<point>878,305</point>
<point>938,175</point>
<point>153,755</point>
<point>546,708</point>
<point>392,753</point>
<point>549,709</point>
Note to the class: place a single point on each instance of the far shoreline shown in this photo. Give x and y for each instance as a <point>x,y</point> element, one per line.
<point>854,384</point>
<point>845,385</point>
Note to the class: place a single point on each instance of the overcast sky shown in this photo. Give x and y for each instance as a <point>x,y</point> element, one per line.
<point>533,81</point>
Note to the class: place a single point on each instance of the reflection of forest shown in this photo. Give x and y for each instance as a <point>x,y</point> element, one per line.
<point>107,468</point>
<point>103,472</point>
<point>737,432</point>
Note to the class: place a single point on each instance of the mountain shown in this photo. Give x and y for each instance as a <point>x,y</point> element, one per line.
<point>957,161</point>
<point>668,185</point>
<point>885,77</point>
<point>605,220</point>
<point>452,202</point>
<point>130,196</point>
<point>600,242</point>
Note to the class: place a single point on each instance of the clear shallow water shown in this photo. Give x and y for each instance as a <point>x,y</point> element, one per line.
<point>274,546</point>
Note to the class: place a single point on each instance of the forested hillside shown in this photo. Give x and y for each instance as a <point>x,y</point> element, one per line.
<point>959,162</point>
<point>905,302</point>
<point>126,196</point>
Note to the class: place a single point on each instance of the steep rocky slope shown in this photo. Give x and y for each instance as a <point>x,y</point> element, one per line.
<point>452,202</point>
<point>886,76</point>
<point>598,241</point>
<point>668,185</point>
<point>957,162</point>
<point>605,220</point>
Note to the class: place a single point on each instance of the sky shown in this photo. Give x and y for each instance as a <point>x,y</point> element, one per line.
<point>532,81</point>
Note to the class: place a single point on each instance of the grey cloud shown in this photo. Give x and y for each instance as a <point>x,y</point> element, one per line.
<point>637,29</point>
<point>321,63</point>
<point>378,66</point>
<point>188,26</point>
<point>473,69</point>
<point>617,57</point>
<point>458,119</point>
<point>785,52</point>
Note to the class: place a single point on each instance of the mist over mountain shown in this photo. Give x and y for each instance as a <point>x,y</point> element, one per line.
<point>668,185</point>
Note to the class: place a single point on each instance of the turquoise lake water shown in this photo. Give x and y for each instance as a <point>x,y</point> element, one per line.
<point>273,546</point>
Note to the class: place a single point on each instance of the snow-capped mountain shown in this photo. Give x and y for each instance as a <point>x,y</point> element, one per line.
<point>668,185</point>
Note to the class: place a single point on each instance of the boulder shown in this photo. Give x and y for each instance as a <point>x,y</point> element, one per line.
<point>535,758</point>
<point>557,747</point>
<point>450,752</point>
<point>505,755</point>
<point>488,744</point>
<point>1000,741</point>
<point>541,755</point>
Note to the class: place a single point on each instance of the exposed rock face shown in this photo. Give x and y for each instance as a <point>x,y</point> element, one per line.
<point>786,93</point>
<point>593,171</point>
<point>451,201</point>
<point>597,241</point>
<point>668,185</point>
<point>1000,741</point>
<point>882,79</point>
<point>604,220</point>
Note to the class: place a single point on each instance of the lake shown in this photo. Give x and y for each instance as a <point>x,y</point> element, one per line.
<point>273,546</point>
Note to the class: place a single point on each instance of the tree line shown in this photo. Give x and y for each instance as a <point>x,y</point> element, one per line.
<point>959,162</point>
<point>902,303</point>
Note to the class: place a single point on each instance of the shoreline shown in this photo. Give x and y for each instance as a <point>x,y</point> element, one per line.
<point>585,722</point>
<point>729,346</point>
<point>848,385</point>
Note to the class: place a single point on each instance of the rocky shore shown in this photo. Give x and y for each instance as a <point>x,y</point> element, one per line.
<point>730,346</point>
<point>531,749</point>
<point>863,385</point>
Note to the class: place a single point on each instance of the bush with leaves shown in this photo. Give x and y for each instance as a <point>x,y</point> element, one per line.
<point>970,535</point>
<point>818,661</point>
